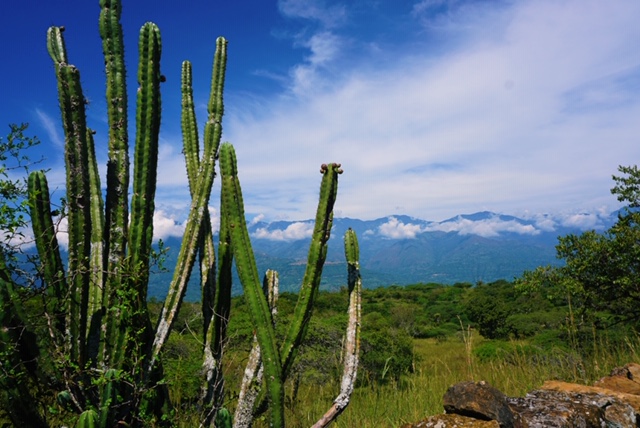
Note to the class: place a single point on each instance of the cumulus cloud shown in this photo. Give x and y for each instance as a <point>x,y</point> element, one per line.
<point>257,219</point>
<point>293,232</point>
<point>581,220</point>
<point>487,228</point>
<point>167,224</point>
<point>545,223</point>
<point>395,229</point>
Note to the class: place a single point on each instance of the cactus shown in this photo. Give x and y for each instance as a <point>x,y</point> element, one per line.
<point>352,342</point>
<point>102,350</point>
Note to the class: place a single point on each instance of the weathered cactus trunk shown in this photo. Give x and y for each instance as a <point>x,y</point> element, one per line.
<point>352,339</point>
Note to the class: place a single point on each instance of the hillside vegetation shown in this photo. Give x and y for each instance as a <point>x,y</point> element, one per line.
<point>416,342</point>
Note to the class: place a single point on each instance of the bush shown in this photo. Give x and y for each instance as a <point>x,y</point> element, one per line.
<point>385,352</point>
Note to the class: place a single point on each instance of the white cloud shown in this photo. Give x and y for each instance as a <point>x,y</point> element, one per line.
<point>167,224</point>
<point>62,232</point>
<point>23,238</point>
<point>324,47</point>
<point>581,221</point>
<point>257,219</point>
<point>546,223</point>
<point>214,215</point>
<point>486,228</point>
<point>51,128</point>
<point>293,232</point>
<point>171,166</point>
<point>395,229</point>
<point>315,10</point>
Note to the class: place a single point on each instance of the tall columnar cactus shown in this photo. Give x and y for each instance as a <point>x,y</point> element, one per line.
<point>100,344</point>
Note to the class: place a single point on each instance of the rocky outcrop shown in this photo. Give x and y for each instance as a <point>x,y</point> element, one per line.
<point>614,401</point>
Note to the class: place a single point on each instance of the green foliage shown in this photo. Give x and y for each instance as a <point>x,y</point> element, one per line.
<point>387,352</point>
<point>499,311</point>
<point>15,162</point>
<point>601,269</point>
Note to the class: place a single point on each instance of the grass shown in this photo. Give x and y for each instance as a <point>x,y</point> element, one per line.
<point>440,364</point>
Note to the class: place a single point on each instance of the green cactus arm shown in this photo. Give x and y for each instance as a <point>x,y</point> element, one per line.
<point>56,46</point>
<point>352,347</point>
<point>107,397</point>
<point>202,192</point>
<point>78,194</point>
<point>47,245</point>
<point>88,419</point>
<point>216,312</point>
<point>97,227</point>
<point>189,126</point>
<point>315,263</point>
<point>148,111</point>
<point>250,387</point>
<point>192,161</point>
<point>117,200</point>
<point>97,261</point>
<point>211,354</point>
<point>231,196</point>
<point>117,203</point>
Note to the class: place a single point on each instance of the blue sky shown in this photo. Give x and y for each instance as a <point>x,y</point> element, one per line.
<point>434,107</point>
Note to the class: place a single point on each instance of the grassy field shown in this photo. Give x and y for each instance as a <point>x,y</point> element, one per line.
<point>440,364</point>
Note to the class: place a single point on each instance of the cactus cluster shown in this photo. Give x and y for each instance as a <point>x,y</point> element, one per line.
<point>102,346</point>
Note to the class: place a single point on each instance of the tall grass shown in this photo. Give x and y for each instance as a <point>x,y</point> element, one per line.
<point>440,364</point>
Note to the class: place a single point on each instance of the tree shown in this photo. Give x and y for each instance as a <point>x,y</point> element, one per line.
<point>601,269</point>
<point>15,164</point>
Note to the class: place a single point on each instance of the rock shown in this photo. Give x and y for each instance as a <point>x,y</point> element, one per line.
<point>452,421</point>
<point>622,379</point>
<point>633,370</point>
<point>481,401</point>
<point>613,403</point>
<point>630,399</point>
<point>620,415</point>
<point>543,408</point>
<point>619,384</point>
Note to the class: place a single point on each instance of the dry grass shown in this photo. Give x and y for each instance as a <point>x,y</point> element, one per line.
<point>442,364</point>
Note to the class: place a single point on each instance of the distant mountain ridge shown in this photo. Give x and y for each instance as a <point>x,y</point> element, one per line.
<point>400,249</point>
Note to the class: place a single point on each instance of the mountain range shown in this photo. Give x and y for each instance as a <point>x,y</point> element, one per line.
<point>401,250</point>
